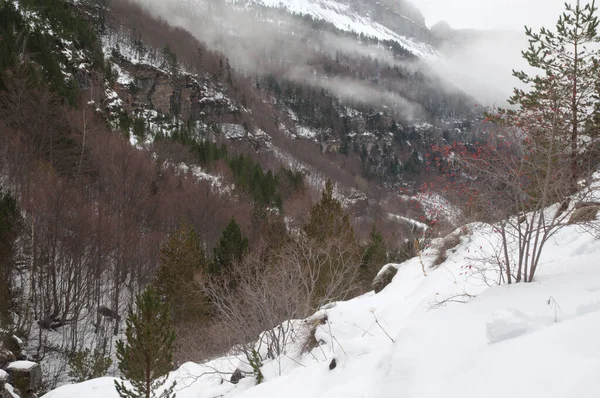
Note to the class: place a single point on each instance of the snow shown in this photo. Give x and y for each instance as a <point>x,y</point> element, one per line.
<point>10,391</point>
<point>422,226</point>
<point>123,78</point>
<point>22,365</point>
<point>17,340</point>
<point>343,17</point>
<point>3,375</point>
<point>455,333</point>
<point>216,181</point>
<point>233,131</point>
<point>307,133</point>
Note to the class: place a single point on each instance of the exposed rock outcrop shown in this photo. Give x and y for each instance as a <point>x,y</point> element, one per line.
<point>384,277</point>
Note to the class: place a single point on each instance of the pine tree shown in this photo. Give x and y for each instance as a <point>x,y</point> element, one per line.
<point>328,232</point>
<point>230,249</point>
<point>146,357</point>
<point>10,221</point>
<point>375,255</point>
<point>562,96</point>
<point>327,218</point>
<point>181,258</point>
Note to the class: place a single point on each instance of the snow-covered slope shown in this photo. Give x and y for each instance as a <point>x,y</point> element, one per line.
<point>452,334</point>
<point>344,16</point>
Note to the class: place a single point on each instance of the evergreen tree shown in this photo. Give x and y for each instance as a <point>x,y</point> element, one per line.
<point>230,249</point>
<point>328,232</point>
<point>10,221</point>
<point>327,219</point>
<point>561,99</point>
<point>146,357</point>
<point>181,258</point>
<point>376,253</point>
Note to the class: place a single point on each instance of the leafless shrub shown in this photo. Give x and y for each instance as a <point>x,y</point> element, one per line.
<point>262,300</point>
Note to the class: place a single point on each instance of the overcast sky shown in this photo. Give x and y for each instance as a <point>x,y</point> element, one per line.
<point>492,14</point>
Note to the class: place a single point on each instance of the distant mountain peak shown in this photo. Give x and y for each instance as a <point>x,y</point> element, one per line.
<point>395,20</point>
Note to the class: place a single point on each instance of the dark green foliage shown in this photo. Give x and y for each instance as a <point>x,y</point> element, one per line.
<point>139,127</point>
<point>86,365</point>
<point>10,224</point>
<point>265,188</point>
<point>181,258</point>
<point>250,177</point>
<point>375,256</point>
<point>146,356</point>
<point>230,249</point>
<point>567,72</point>
<point>43,48</point>
<point>205,151</point>
<point>327,219</point>
<point>256,364</point>
<point>329,233</point>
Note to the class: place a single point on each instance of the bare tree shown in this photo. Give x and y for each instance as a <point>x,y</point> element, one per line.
<point>521,183</point>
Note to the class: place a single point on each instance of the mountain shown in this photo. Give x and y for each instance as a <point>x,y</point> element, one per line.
<point>364,108</point>
<point>398,21</point>
<point>122,121</point>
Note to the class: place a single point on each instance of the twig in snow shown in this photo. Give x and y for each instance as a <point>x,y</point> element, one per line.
<point>462,298</point>
<point>381,327</point>
<point>553,303</point>
<point>336,340</point>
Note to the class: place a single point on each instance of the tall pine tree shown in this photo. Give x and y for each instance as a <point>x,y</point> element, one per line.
<point>230,249</point>
<point>561,97</point>
<point>329,233</point>
<point>327,219</point>
<point>375,256</point>
<point>181,258</point>
<point>146,357</point>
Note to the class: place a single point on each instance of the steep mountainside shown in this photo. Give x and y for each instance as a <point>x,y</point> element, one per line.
<point>398,21</point>
<point>124,120</point>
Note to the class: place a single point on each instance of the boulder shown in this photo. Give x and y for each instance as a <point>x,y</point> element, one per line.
<point>236,376</point>
<point>384,277</point>
<point>26,376</point>
<point>6,357</point>
<point>332,364</point>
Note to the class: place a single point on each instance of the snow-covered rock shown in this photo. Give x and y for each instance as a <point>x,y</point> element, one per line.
<point>384,277</point>
<point>25,375</point>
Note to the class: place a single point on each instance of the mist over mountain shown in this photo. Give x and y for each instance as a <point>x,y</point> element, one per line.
<point>260,161</point>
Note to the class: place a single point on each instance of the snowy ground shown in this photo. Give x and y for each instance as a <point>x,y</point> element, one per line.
<point>527,340</point>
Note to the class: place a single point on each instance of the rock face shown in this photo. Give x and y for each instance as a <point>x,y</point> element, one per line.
<point>384,278</point>
<point>181,95</point>
<point>400,16</point>
<point>25,376</point>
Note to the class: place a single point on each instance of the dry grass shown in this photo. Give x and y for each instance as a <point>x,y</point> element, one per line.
<point>584,215</point>
<point>310,341</point>
<point>449,242</point>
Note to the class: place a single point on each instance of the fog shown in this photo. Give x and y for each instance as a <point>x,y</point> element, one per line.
<point>481,67</point>
<point>491,14</point>
<point>281,44</point>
